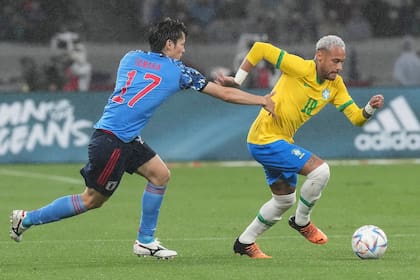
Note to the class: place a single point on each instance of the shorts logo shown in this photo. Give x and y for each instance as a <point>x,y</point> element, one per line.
<point>395,128</point>
<point>298,153</point>
<point>111,185</point>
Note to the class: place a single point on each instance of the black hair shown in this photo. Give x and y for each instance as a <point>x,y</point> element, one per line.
<point>167,29</point>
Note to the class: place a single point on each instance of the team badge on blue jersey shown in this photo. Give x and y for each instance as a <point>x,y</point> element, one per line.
<point>326,93</point>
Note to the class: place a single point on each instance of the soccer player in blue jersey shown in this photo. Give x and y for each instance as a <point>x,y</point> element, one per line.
<point>144,81</point>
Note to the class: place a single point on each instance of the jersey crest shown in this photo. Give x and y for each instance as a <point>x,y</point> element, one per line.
<point>326,94</point>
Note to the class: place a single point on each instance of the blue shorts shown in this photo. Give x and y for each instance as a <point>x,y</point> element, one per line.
<point>280,160</point>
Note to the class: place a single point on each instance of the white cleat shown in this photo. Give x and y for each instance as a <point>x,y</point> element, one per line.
<point>153,249</point>
<point>16,222</point>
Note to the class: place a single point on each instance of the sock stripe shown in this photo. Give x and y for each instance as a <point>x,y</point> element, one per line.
<point>307,203</point>
<point>155,189</point>
<point>76,204</point>
<point>264,221</point>
<point>103,178</point>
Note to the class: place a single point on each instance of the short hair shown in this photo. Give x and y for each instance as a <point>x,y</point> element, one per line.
<point>329,41</point>
<point>167,29</point>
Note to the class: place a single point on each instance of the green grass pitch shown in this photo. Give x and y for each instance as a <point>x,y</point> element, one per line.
<point>205,208</point>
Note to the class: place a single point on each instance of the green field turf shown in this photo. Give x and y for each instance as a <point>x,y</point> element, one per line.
<point>205,208</point>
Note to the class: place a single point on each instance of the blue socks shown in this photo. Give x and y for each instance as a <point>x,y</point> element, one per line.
<point>64,207</point>
<point>72,205</point>
<point>151,202</point>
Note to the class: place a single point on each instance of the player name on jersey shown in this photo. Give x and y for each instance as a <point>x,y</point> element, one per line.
<point>147,64</point>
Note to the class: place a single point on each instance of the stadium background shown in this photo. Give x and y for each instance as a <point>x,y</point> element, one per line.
<point>208,204</point>
<point>217,28</point>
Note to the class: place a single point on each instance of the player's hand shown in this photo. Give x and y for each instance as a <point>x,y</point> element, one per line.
<point>270,106</point>
<point>226,81</point>
<point>377,101</point>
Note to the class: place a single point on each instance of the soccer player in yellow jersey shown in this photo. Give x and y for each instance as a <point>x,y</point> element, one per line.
<point>304,88</point>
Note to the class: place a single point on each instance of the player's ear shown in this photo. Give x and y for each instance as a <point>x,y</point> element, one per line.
<point>168,47</point>
<point>169,43</point>
<point>319,55</point>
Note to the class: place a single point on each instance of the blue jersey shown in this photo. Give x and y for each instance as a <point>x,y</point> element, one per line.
<point>144,81</point>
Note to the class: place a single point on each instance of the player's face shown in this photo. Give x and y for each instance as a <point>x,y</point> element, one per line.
<point>176,50</point>
<point>330,62</point>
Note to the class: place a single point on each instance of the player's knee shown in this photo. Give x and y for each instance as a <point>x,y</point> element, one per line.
<point>162,178</point>
<point>92,199</point>
<point>321,174</point>
<point>95,204</point>
<point>285,201</point>
<point>281,187</point>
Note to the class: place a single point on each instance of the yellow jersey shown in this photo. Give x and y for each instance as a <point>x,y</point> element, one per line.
<point>299,95</point>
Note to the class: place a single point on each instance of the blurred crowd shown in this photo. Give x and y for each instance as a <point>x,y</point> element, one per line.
<point>67,70</point>
<point>38,20</point>
<point>289,20</point>
<point>53,22</point>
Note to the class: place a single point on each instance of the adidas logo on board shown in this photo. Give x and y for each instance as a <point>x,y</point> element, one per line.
<point>393,128</point>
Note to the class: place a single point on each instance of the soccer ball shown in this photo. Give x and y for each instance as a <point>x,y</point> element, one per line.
<point>369,242</point>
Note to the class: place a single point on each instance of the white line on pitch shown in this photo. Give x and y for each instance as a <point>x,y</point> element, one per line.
<point>16,173</point>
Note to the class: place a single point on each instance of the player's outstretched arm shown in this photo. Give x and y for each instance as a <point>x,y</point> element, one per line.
<point>234,95</point>
<point>359,116</point>
<point>259,51</point>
